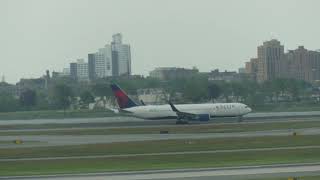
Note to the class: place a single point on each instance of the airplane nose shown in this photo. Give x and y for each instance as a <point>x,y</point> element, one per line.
<point>249,110</point>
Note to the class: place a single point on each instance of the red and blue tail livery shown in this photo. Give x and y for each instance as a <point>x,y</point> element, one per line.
<point>123,99</point>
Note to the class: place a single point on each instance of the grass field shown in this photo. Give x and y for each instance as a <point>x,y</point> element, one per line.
<point>286,178</point>
<point>207,128</point>
<point>162,146</point>
<point>159,162</point>
<point>54,114</point>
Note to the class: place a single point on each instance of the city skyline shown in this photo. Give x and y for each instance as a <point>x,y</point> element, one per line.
<point>86,61</point>
<point>208,35</point>
<point>114,59</point>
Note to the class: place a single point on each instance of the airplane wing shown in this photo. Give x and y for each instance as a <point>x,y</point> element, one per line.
<point>142,102</point>
<point>183,115</point>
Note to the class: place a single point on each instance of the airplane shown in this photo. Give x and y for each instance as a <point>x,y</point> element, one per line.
<point>182,112</point>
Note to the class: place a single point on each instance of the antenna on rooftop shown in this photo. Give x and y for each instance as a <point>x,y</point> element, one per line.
<point>273,35</point>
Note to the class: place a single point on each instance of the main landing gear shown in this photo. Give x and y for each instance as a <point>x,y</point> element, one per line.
<point>181,122</point>
<point>240,119</point>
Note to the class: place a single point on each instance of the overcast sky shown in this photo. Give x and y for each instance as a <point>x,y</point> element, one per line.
<point>36,35</point>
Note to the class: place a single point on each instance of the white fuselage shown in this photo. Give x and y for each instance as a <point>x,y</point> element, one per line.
<point>214,110</point>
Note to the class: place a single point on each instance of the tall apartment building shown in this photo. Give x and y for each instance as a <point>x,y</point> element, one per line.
<point>79,70</point>
<point>121,56</point>
<point>112,60</point>
<point>82,70</point>
<point>314,57</point>
<point>92,66</point>
<point>270,60</point>
<point>104,62</point>
<point>73,71</point>
<point>303,64</point>
<point>273,63</point>
<point>100,63</point>
<point>251,68</point>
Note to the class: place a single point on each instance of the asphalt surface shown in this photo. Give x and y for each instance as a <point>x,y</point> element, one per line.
<point>118,120</point>
<point>61,140</point>
<point>142,124</point>
<point>189,174</point>
<point>229,173</point>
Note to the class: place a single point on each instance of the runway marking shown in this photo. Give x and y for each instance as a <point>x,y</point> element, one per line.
<point>159,154</point>
<point>125,119</point>
<point>61,140</point>
<point>266,121</point>
<point>184,173</point>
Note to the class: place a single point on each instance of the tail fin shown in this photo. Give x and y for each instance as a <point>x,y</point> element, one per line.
<point>122,98</point>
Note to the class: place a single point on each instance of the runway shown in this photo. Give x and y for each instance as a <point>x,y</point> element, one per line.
<point>116,119</point>
<point>139,124</point>
<point>128,122</point>
<point>226,173</point>
<point>62,140</point>
<point>131,121</point>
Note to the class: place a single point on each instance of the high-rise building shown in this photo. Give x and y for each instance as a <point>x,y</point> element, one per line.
<point>303,64</point>
<point>100,63</point>
<point>79,70</point>
<point>112,60</point>
<point>121,56</point>
<point>314,57</point>
<point>270,59</point>
<point>251,68</point>
<point>73,71</point>
<point>103,62</point>
<point>272,63</point>
<point>82,70</point>
<point>92,66</point>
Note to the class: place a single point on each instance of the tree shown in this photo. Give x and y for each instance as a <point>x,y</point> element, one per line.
<point>238,90</point>
<point>63,96</point>
<point>8,103</point>
<point>43,100</point>
<point>28,98</point>
<point>278,87</point>
<point>195,89</point>
<point>226,90</point>
<point>214,91</point>
<point>102,89</point>
<point>86,97</point>
<point>296,88</point>
<point>267,90</point>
